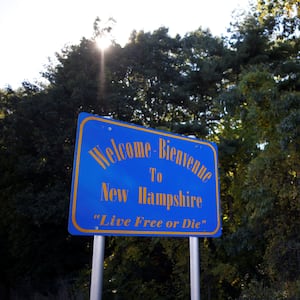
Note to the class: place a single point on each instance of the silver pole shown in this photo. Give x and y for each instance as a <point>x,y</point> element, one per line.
<point>194,268</point>
<point>97,267</point>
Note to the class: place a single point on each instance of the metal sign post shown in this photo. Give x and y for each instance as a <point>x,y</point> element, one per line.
<point>97,267</point>
<point>194,268</point>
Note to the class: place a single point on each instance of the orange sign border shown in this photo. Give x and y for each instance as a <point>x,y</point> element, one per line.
<point>138,232</point>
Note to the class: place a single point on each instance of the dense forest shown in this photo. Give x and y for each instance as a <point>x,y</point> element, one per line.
<point>241,91</point>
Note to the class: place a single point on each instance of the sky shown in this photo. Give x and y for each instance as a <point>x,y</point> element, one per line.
<point>31,31</point>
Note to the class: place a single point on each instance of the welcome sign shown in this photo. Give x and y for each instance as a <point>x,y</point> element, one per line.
<point>132,180</point>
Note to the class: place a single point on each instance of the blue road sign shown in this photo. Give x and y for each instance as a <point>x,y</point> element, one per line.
<point>132,180</point>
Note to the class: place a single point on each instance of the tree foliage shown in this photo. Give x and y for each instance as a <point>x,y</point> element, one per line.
<point>280,17</point>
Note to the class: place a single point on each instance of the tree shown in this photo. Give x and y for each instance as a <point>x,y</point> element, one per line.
<point>261,186</point>
<point>36,155</point>
<point>280,17</point>
<point>144,83</point>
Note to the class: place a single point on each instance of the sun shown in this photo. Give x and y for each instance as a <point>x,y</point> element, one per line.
<point>103,42</point>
